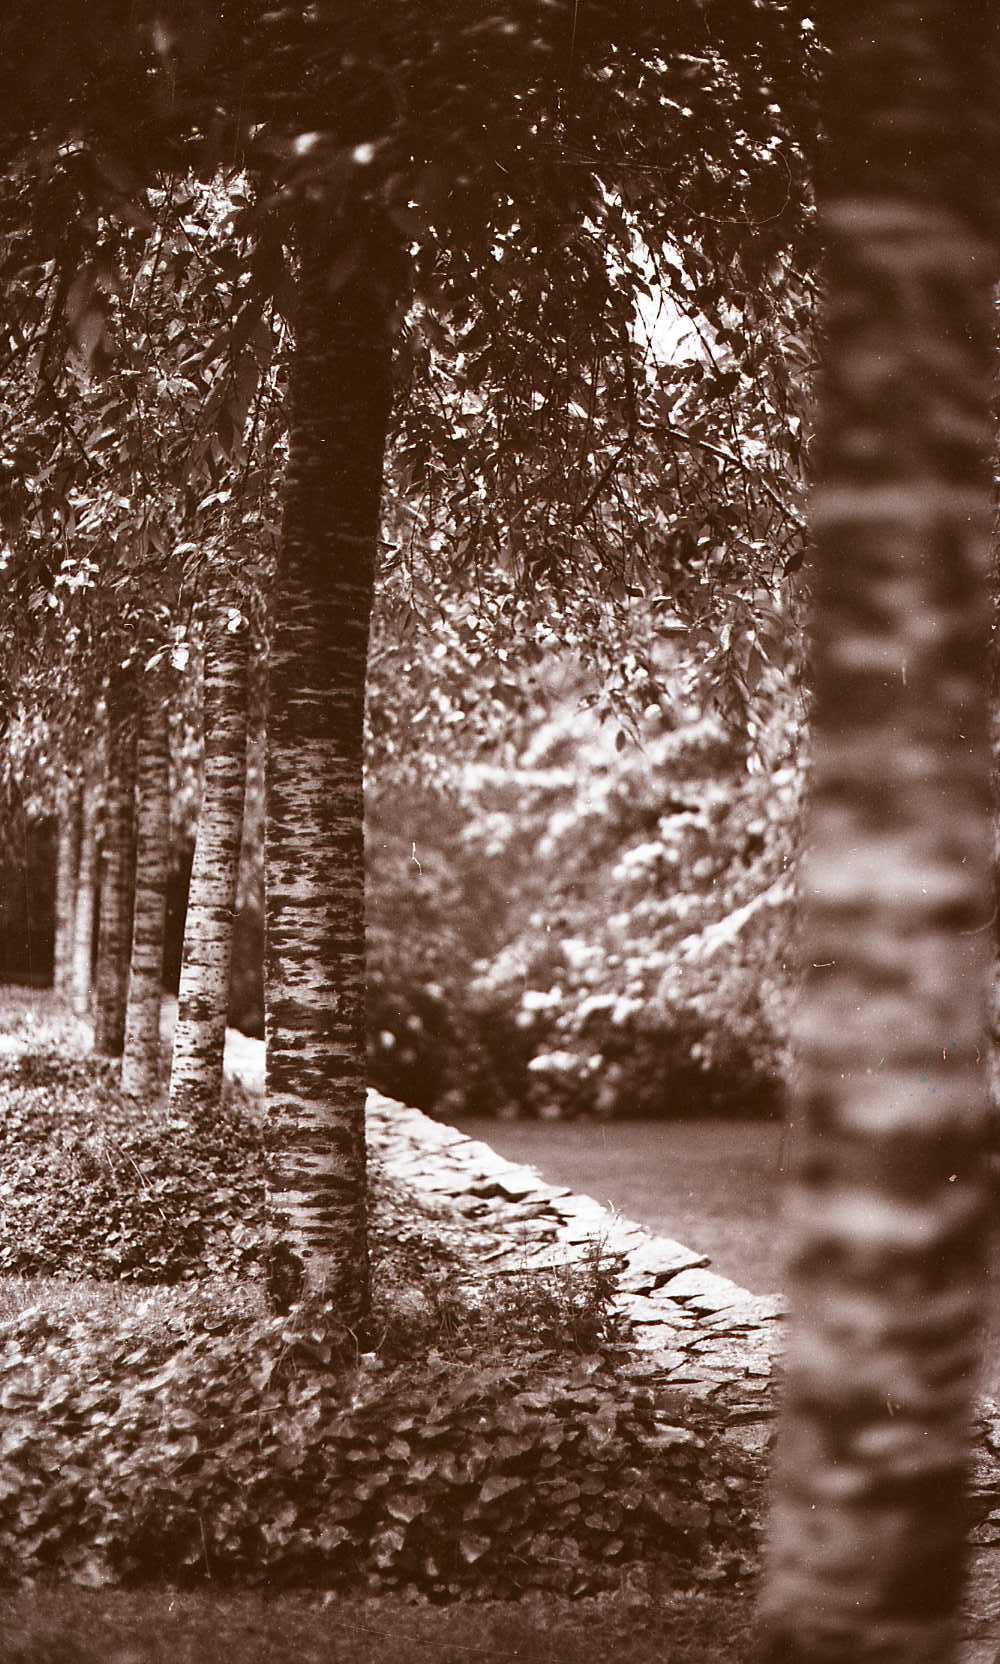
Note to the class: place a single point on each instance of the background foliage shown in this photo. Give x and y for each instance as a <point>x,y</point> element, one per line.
<point>592,919</point>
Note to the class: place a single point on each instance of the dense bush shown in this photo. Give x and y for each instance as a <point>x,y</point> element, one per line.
<point>600,928</point>
<point>496,1436</point>
<point>91,1186</point>
<point>569,919</point>
<point>249,1450</point>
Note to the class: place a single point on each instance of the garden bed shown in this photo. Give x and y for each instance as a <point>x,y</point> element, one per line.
<point>535,1409</point>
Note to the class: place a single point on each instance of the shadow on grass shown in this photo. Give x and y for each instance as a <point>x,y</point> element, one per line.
<point>72,1626</point>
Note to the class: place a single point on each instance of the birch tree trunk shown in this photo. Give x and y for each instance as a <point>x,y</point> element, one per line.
<point>315,883</point>
<point>141,1057</point>
<point>890,1198</point>
<point>86,899</point>
<point>67,870</point>
<point>118,870</point>
<point>203,999</point>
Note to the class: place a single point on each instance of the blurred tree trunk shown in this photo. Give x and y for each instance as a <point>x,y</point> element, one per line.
<point>203,999</point>
<point>889,1203</point>
<point>141,1057</point>
<point>315,880</point>
<point>67,872</point>
<point>118,868</point>
<point>86,897</point>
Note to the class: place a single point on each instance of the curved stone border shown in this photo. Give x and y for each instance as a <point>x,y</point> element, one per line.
<point>691,1328</point>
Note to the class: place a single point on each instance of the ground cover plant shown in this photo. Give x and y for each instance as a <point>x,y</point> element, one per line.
<point>91,1188</point>
<point>486,1437</point>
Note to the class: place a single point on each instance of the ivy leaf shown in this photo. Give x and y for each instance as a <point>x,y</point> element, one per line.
<point>406,1507</point>
<point>500,1485</point>
<point>471,1547</point>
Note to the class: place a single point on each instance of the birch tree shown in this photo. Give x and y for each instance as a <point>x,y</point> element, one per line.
<point>512,211</point>
<point>141,1055</point>
<point>67,872</point>
<point>203,999</point>
<point>315,908</point>
<point>86,898</point>
<point>889,1204</point>
<point>117,868</point>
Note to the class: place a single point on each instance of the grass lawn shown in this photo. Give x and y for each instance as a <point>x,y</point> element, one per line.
<point>71,1626</point>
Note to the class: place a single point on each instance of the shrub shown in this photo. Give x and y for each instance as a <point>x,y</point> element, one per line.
<point>252,1451</point>
<point>469,1312</point>
<point>92,1186</point>
<point>600,930</point>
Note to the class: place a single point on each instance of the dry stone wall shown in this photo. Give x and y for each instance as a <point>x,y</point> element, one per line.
<point>692,1329</point>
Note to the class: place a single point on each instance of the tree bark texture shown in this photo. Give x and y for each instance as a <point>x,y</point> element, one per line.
<point>203,999</point>
<point>889,1202</point>
<point>86,899</point>
<point>67,870</point>
<point>117,869</point>
<point>141,1056</point>
<point>314,837</point>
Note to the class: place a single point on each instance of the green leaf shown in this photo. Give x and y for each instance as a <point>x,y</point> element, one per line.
<point>471,1547</point>
<point>500,1485</point>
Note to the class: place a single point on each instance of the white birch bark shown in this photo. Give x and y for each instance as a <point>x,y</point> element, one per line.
<point>86,900</point>
<point>118,869</point>
<point>315,878</point>
<point>141,1056</point>
<point>67,869</point>
<point>890,1200</point>
<point>203,999</point>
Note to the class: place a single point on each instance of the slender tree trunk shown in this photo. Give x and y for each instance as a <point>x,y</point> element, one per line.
<point>890,1199</point>
<point>141,1057</point>
<point>67,869</point>
<point>314,839</point>
<point>203,1001</point>
<point>118,869</point>
<point>86,899</point>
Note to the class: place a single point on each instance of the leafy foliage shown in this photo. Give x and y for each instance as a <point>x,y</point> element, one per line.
<point>533,430</point>
<point>595,923</point>
<point>599,365</point>
<point>91,1188</point>
<point>493,1442</point>
<point>131,498</point>
<point>246,1451</point>
<point>96,1187</point>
